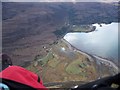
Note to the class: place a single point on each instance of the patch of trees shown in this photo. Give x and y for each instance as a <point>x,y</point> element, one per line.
<point>61,32</point>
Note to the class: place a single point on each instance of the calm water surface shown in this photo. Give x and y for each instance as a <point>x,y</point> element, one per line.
<point>101,42</point>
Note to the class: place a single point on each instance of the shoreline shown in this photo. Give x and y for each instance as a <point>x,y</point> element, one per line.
<point>107,62</point>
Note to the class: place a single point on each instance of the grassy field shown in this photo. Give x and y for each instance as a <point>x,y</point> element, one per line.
<point>57,66</point>
<point>76,67</point>
<point>86,28</point>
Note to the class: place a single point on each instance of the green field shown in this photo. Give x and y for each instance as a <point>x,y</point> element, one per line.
<point>44,60</point>
<point>57,66</point>
<point>76,67</point>
<point>53,63</point>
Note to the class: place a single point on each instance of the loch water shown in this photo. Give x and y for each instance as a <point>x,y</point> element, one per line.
<point>102,42</point>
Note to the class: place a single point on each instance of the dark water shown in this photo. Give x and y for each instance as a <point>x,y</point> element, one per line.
<point>102,42</point>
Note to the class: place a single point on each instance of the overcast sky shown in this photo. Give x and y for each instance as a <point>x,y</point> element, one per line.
<point>59,0</point>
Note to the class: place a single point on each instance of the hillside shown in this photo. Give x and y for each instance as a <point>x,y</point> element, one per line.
<point>29,27</point>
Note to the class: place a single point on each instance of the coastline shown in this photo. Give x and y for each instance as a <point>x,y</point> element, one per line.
<point>105,61</point>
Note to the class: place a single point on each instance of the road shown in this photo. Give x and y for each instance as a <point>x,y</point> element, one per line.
<point>107,62</point>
